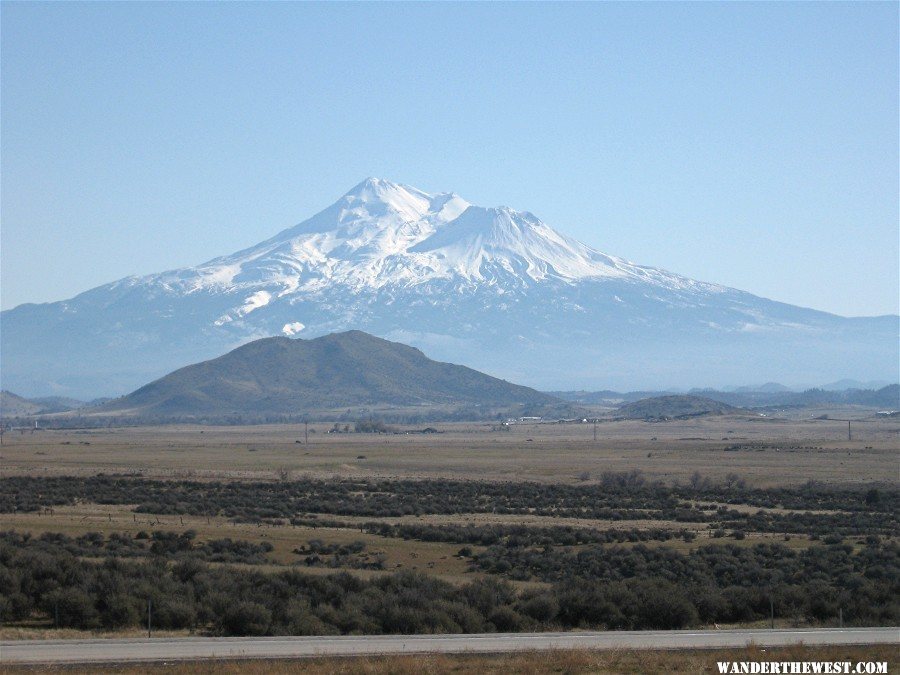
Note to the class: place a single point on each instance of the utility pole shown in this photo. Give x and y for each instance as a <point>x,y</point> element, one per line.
<point>595,431</point>
<point>771,609</point>
<point>306,432</point>
<point>849,435</point>
<point>841,617</point>
<point>149,608</point>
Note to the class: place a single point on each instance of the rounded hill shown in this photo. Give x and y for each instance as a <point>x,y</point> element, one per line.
<point>285,375</point>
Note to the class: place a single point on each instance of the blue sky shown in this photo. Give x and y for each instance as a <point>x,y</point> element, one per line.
<point>754,145</point>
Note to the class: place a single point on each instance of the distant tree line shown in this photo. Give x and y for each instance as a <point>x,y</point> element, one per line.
<point>167,544</point>
<point>819,510</point>
<point>523,535</point>
<point>421,415</point>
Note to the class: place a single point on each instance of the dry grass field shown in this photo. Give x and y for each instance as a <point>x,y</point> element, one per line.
<point>437,558</point>
<point>434,557</point>
<point>788,448</point>
<point>775,451</point>
<point>784,450</point>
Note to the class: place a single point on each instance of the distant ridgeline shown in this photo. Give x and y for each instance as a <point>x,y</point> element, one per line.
<point>341,376</point>
<point>673,407</point>
<point>887,397</point>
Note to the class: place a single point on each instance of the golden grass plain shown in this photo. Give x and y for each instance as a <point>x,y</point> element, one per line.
<point>783,449</point>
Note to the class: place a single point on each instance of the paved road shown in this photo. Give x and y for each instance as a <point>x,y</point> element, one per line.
<point>171,649</point>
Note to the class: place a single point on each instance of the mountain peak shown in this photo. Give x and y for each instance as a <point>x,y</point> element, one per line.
<point>495,286</point>
<point>518,242</point>
<point>374,186</point>
<point>376,196</point>
<point>383,234</point>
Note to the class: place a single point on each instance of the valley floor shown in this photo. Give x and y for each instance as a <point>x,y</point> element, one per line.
<point>786,448</point>
<point>471,529</point>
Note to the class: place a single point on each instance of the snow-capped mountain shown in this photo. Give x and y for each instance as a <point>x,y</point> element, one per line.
<point>492,288</point>
<point>381,234</point>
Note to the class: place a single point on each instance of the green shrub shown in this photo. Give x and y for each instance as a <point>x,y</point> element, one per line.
<point>246,618</point>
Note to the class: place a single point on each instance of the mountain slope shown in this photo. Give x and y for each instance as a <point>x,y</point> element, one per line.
<point>672,407</point>
<point>283,375</point>
<point>494,288</point>
<point>13,405</point>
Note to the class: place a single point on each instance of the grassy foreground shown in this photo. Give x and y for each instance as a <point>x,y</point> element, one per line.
<point>605,662</point>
